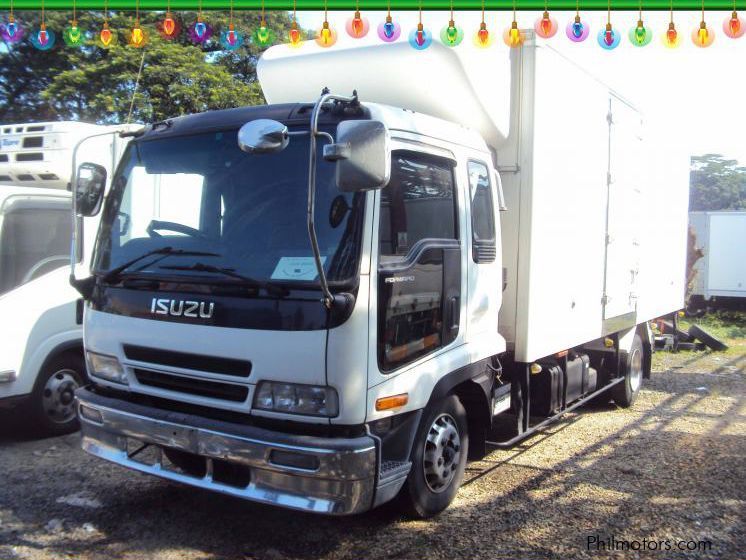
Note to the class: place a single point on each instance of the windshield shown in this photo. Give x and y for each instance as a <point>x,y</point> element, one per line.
<point>210,205</point>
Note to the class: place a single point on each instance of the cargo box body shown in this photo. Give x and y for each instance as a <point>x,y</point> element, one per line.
<point>578,166</point>
<point>594,236</point>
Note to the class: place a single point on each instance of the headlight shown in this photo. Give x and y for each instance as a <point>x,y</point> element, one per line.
<point>106,367</point>
<point>297,399</point>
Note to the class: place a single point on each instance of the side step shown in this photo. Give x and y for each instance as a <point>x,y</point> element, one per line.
<point>392,477</point>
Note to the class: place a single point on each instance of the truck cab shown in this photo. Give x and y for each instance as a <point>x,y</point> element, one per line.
<point>230,323</point>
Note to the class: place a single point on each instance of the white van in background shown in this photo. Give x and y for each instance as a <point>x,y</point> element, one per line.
<point>41,346</point>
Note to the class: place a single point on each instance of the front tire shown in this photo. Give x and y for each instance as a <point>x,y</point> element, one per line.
<point>625,393</point>
<point>438,459</point>
<point>52,404</point>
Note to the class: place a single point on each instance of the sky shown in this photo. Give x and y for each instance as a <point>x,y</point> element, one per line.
<point>698,93</point>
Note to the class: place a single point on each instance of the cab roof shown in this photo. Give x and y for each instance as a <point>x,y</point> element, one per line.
<point>299,114</point>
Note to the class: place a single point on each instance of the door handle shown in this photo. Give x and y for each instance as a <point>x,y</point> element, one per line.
<point>454,310</point>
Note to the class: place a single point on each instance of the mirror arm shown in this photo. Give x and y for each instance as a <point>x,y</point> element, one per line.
<point>328,298</point>
<point>74,191</point>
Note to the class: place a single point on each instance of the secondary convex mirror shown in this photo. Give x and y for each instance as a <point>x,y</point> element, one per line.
<point>263,136</point>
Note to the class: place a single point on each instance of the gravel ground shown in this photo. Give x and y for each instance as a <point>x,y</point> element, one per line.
<point>670,468</point>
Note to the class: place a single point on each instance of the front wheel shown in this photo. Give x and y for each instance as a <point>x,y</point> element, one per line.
<point>52,403</point>
<point>625,393</point>
<point>438,459</point>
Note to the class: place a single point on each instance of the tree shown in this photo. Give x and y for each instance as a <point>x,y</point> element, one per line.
<point>716,183</point>
<point>95,84</point>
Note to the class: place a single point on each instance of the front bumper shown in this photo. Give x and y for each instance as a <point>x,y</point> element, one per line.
<point>342,480</point>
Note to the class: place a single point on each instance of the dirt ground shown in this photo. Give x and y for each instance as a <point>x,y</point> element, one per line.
<point>665,474</point>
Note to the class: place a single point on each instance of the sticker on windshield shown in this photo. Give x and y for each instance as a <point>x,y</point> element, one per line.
<point>296,268</point>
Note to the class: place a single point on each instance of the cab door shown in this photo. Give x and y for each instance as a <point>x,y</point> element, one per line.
<point>419,292</point>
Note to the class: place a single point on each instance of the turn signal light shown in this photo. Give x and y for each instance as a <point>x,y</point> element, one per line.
<point>395,401</point>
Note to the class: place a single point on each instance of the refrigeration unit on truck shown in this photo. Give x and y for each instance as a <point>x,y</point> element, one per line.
<point>720,278</point>
<point>41,341</point>
<point>331,301</point>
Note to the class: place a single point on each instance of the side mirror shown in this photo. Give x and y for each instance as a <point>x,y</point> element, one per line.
<point>263,136</point>
<point>89,190</point>
<point>362,154</point>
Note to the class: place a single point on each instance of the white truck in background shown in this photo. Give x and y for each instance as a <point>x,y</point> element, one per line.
<point>720,279</point>
<point>41,337</point>
<point>372,289</point>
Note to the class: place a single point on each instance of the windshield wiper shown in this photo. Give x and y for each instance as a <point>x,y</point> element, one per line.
<point>247,280</point>
<point>165,251</point>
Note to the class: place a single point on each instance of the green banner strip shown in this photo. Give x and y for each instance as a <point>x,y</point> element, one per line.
<point>427,5</point>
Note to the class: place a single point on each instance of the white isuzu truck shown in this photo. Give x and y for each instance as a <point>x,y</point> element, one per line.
<point>326,303</point>
<point>41,337</point>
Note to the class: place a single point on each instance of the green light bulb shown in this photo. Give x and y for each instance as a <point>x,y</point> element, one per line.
<point>640,34</point>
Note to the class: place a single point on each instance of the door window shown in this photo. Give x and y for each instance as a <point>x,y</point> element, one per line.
<point>418,203</point>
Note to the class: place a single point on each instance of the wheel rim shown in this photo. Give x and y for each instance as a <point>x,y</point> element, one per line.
<point>442,453</point>
<point>635,370</point>
<point>58,397</point>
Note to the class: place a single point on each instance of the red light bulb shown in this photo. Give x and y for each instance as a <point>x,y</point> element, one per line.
<point>483,35</point>
<point>671,35</point>
<point>546,24</point>
<point>169,25</point>
<point>357,24</point>
<point>294,35</point>
<point>734,24</point>
<point>106,36</point>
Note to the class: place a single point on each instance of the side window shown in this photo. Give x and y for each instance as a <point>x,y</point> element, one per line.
<point>418,203</point>
<point>484,248</point>
<point>35,240</point>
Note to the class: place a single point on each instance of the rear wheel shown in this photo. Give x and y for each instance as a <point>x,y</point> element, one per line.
<point>438,459</point>
<point>625,393</point>
<point>52,404</point>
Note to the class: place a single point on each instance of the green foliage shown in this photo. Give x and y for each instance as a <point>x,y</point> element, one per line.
<point>716,183</point>
<point>96,84</point>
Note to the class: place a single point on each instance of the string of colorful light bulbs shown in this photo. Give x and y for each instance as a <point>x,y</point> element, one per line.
<point>200,32</point>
